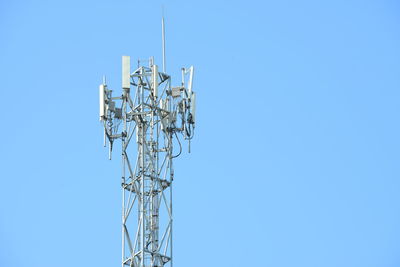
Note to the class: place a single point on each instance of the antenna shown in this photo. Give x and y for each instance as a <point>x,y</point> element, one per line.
<point>126,72</point>
<point>155,81</point>
<point>102,95</point>
<point>191,70</point>
<point>163,42</point>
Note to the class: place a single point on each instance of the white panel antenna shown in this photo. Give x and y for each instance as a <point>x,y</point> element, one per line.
<point>190,82</point>
<point>164,120</point>
<point>102,95</point>
<point>126,72</point>
<point>155,81</point>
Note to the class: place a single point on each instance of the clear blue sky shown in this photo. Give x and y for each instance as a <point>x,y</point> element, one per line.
<point>295,161</point>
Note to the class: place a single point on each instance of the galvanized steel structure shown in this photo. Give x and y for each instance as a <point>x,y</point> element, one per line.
<point>154,114</point>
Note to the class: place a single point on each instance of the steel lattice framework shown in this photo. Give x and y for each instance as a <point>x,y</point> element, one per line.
<point>152,113</point>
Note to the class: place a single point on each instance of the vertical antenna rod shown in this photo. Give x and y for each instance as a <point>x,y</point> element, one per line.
<point>163,42</point>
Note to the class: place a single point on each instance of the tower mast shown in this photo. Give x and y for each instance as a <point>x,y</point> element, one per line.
<point>155,115</point>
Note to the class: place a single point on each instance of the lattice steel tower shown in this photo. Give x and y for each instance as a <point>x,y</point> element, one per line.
<point>154,114</point>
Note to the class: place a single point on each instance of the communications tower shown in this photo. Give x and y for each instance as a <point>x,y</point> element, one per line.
<point>155,115</point>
